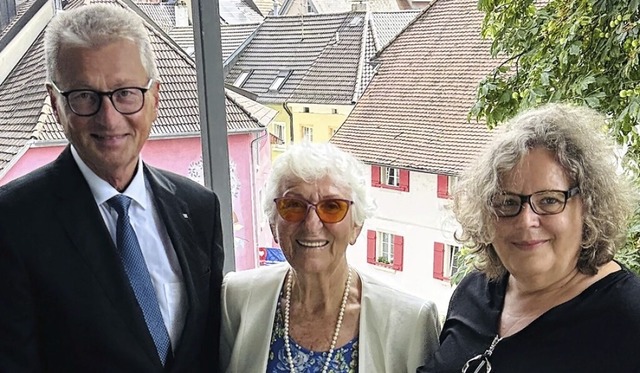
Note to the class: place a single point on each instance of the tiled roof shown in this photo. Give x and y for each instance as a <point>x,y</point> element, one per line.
<point>20,11</point>
<point>27,116</point>
<point>265,6</point>
<point>325,55</point>
<point>183,36</point>
<point>285,43</point>
<point>22,96</point>
<point>238,11</point>
<point>232,36</point>
<point>387,25</point>
<point>164,15</point>
<point>414,112</point>
<point>239,106</point>
<point>333,75</point>
<point>338,6</point>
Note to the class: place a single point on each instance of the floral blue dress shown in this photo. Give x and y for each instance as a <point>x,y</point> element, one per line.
<point>344,359</point>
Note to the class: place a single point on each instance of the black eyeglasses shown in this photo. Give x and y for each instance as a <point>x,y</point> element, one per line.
<point>87,102</point>
<point>546,202</point>
<point>480,363</point>
<point>295,210</point>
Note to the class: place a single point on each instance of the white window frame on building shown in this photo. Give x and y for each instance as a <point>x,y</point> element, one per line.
<point>307,133</point>
<point>450,265</point>
<point>390,176</point>
<point>279,132</point>
<point>384,247</point>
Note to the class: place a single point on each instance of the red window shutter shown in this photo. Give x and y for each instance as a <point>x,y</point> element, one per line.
<point>398,252</point>
<point>404,180</point>
<point>375,176</point>
<point>438,260</point>
<point>371,247</point>
<point>443,186</point>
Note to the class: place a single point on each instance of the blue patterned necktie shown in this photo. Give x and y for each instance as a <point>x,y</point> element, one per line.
<point>138,274</point>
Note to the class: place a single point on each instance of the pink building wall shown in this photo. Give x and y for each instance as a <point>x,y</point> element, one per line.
<point>183,156</point>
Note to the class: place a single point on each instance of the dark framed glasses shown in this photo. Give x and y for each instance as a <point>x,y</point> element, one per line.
<point>546,202</point>
<point>481,363</point>
<point>295,210</point>
<point>87,102</point>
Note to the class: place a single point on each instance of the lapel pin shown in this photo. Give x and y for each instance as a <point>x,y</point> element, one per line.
<point>185,216</point>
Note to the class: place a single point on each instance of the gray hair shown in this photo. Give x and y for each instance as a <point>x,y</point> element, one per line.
<point>93,26</point>
<point>577,137</point>
<point>310,162</point>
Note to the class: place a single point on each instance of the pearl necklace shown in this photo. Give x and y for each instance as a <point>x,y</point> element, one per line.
<point>287,306</point>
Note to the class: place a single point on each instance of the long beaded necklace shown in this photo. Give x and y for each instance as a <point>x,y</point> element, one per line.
<point>334,340</point>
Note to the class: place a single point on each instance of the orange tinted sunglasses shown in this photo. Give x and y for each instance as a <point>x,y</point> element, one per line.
<point>295,210</point>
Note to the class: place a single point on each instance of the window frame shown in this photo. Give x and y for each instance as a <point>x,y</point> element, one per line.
<point>446,184</point>
<point>307,133</point>
<point>280,127</point>
<point>444,260</point>
<point>279,80</point>
<point>377,179</point>
<point>394,253</point>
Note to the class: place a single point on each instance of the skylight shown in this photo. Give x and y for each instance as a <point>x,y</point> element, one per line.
<point>278,82</point>
<point>241,79</point>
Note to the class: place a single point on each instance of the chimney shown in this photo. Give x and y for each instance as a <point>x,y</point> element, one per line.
<point>7,12</point>
<point>359,5</point>
<point>182,14</point>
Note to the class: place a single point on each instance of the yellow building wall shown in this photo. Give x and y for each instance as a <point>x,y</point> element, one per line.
<point>321,121</point>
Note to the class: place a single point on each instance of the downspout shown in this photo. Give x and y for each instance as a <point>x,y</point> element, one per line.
<point>288,110</point>
<point>254,219</point>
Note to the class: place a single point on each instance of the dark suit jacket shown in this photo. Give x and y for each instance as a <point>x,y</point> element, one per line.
<point>65,301</point>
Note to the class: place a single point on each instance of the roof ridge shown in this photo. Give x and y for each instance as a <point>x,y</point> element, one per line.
<point>156,29</point>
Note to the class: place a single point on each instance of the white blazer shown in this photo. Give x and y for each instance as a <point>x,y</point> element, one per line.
<point>398,331</point>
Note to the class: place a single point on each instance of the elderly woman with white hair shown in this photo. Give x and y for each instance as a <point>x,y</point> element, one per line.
<point>315,313</point>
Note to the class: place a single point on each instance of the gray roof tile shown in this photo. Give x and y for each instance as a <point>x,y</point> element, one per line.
<point>387,25</point>
<point>164,15</point>
<point>232,36</point>
<point>326,54</point>
<point>238,12</point>
<point>414,112</point>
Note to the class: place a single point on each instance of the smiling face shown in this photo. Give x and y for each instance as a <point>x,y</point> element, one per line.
<point>108,142</point>
<point>533,247</point>
<point>310,245</point>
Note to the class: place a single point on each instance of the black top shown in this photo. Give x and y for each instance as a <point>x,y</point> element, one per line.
<point>597,331</point>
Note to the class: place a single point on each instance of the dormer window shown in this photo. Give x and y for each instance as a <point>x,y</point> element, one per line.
<point>241,79</point>
<point>279,80</point>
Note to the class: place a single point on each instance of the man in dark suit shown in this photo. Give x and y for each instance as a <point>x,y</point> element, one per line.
<point>107,264</point>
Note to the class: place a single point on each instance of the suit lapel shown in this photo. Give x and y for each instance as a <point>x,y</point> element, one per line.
<point>178,221</point>
<point>85,227</point>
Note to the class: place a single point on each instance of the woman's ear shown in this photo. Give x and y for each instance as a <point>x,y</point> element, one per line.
<point>355,232</point>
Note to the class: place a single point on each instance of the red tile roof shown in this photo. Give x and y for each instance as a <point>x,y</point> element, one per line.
<point>414,112</point>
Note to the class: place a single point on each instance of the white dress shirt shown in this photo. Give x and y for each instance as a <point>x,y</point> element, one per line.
<point>159,255</point>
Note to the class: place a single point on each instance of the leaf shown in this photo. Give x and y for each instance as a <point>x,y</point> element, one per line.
<point>544,78</point>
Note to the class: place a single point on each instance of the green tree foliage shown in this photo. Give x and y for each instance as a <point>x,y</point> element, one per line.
<point>578,51</point>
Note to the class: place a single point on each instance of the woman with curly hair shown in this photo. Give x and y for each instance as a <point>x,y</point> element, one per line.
<point>544,210</point>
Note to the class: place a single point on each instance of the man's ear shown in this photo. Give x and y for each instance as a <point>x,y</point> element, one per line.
<point>54,102</point>
<point>156,97</point>
<point>354,234</point>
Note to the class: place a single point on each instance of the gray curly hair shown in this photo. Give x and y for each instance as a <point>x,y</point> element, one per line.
<point>577,136</point>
